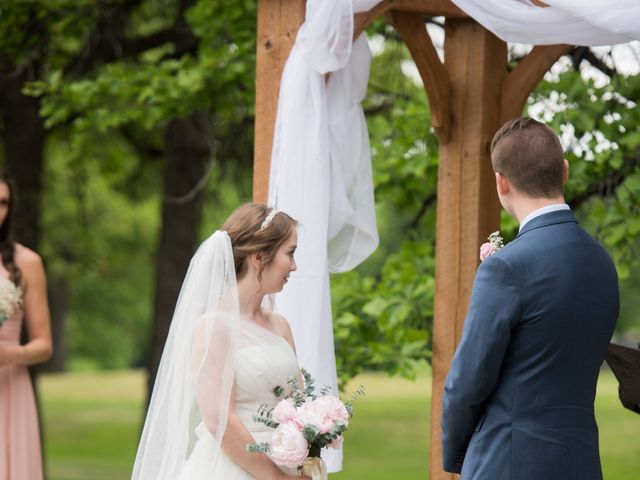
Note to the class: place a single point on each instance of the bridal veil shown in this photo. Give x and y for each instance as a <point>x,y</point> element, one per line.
<point>196,367</point>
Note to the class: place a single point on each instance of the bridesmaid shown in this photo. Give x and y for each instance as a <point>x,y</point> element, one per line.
<point>23,297</point>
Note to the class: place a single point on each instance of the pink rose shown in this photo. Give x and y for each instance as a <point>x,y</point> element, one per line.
<point>285,411</point>
<point>313,412</point>
<point>334,409</point>
<point>485,251</point>
<point>324,413</point>
<point>288,446</point>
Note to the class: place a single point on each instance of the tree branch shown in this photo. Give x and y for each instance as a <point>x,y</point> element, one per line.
<point>579,54</point>
<point>427,202</point>
<point>382,107</point>
<point>107,41</point>
<point>606,187</point>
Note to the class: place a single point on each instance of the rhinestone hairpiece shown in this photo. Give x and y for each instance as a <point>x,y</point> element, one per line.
<point>269,218</point>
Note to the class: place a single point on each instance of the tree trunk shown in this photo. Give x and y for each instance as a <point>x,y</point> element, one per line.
<point>24,136</point>
<point>186,154</point>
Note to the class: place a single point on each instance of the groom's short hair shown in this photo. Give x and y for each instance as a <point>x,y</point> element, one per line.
<point>530,155</point>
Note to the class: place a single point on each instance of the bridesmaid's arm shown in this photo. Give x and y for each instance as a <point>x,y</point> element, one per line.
<point>36,309</point>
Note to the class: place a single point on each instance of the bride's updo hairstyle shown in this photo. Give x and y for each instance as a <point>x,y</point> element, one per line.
<point>257,228</point>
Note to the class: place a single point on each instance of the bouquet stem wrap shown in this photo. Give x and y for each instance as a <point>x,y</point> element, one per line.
<point>315,468</point>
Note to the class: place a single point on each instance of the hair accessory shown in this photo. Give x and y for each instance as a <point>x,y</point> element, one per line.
<point>269,218</point>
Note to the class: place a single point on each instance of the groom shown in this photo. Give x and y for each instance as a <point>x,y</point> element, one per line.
<point>518,400</point>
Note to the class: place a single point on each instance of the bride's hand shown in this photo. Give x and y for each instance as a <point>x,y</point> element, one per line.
<point>297,477</point>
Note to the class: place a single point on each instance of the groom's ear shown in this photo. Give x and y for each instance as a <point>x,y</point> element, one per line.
<point>565,175</point>
<point>502,184</point>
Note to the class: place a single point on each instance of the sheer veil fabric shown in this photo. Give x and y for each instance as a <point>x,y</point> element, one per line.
<point>321,175</point>
<point>197,365</point>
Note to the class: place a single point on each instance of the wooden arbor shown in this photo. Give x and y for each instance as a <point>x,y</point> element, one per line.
<point>470,95</point>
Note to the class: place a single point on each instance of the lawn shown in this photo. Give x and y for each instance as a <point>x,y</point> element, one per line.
<point>92,422</point>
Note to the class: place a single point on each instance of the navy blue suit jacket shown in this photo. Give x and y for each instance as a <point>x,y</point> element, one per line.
<point>518,400</point>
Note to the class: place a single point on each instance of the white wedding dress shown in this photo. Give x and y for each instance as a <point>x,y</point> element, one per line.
<point>264,361</point>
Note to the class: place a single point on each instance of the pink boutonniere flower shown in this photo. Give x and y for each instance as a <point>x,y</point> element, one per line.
<point>492,246</point>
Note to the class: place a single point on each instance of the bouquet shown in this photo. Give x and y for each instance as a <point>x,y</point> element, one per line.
<point>304,423</point>
<point>10,299</point>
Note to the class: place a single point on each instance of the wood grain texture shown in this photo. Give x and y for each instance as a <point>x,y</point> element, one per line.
<point>468,209</point>
<point>278,23</point>
<point>433,8</point>
<point>412,31</point>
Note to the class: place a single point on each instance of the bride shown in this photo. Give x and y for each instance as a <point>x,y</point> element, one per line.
<point>224,356</point>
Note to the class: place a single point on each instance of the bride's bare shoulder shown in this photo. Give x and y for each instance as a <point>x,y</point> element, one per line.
<point>281,325</point>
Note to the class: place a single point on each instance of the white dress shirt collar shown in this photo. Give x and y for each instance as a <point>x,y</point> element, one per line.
<point>541,211</point>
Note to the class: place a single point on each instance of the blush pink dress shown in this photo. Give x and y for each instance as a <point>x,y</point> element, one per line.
<point>19,431</point>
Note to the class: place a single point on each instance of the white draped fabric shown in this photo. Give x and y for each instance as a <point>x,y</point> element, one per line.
<point>321,167</point>
<point>321,175</point>
<point>573,22</point>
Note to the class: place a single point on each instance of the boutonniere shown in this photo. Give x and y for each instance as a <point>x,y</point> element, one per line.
<point>492,246</point>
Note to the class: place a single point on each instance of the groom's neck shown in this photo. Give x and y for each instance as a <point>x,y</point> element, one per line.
<point>523,206</point>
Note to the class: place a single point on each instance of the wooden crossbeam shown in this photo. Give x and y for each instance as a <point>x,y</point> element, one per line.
<point>363,19</point>
<point>428,8</point>
<point>524,78</point>
<point>413,33</point>
<point>433,8</point>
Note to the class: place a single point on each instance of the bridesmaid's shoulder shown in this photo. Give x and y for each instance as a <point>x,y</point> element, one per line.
<point>27,259</point>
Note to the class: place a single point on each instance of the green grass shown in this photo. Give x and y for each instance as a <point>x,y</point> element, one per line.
<point>92,423</point>
<point>619,432</point>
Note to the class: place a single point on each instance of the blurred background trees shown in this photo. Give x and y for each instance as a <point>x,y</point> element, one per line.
<point>128,126</point>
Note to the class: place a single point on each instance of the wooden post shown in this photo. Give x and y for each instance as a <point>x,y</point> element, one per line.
<point>468,209</point>
<point>278,23</point>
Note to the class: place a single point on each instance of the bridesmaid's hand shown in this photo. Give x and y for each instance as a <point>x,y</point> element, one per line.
<point>10,353</point>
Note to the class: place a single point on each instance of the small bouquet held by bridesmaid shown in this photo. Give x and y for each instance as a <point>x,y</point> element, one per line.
<point>304,423</point>
<point>10,299</point>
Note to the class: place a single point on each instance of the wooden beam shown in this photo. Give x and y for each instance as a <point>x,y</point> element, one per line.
<point>413,32</point>
<point>468,209</point>
<point>278,23</point>
<point>431,8</point>
<point>524,78</point>
<point>363,19</point>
